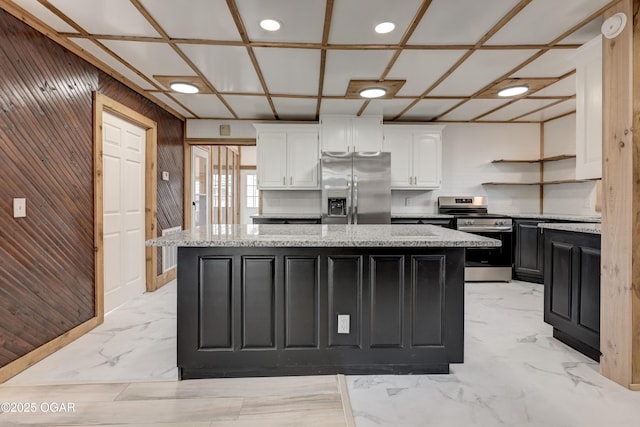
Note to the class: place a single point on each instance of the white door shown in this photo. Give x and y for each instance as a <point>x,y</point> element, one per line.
<point>302,160</point>
<point>399,145</point>
<point>200,189</point>
<point>123,146</point>
<point>426,160</point>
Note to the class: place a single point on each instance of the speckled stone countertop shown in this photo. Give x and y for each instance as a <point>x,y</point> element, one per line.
<point>286,216</point>
<point>323,235</point>
<point>578,227</point>
<point>560,217</point>
<point>422,215</point>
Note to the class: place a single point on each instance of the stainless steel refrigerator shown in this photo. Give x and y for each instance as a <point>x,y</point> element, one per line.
<point>356,188</point>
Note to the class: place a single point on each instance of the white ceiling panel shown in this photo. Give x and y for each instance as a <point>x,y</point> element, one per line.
<point>345,65</point>
<point>473,108</point>
<point>459,21</point>
<point>45,15</point>
<point>584,34</point>
<point>388,108</point>
<point>480,70</point>
<point>518,108</point>
<point>295,108</point>
<point>551,112</point>
<point>164,98</point>
<point>565,87</point>
<point>118,17</point>
<point>428,109</point>
<point>302,20</point>
<point>542,21</point>
<point>118,66</point>
<point>299,77</point>
<point>354,20</point>
<point>228,68</point>
<point>250,107</point>
<point>340,106</point>
<point>422,68</point>
<point>203,19</point>
<point>150,58</point>
<point>204,105</point>
<point>553,63</point>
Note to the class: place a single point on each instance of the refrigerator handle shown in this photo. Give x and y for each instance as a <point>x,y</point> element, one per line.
<point>348,199</point>
<point>355,199</point>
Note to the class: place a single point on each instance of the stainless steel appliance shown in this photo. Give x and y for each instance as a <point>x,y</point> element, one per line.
<point>356,188</point>
<point>471,215</point>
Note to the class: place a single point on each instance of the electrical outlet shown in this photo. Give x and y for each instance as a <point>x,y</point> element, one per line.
<point>165,175</point>
<point>343,323</point>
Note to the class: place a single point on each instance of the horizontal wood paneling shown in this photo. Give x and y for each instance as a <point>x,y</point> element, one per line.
<point>47,258</point>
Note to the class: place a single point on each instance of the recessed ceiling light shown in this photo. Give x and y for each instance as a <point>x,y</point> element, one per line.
<point>385,27</point>
<point>373,92</point>
<point>184,87</point>
<point>513,90</point>
<point>270,24</point>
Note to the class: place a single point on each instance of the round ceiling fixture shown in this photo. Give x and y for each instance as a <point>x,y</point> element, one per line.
<point>270,24</point>
<point>184,87</point>
<point>373,92</point>
<point>385,27</point>
<point>614,25</point>
<point>513,90</point>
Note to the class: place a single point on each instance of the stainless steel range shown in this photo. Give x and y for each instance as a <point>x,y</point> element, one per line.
<point>471,216</point>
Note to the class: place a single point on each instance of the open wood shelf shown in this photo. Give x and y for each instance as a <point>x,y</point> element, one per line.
<point>545,159</point>
<point>561,181</point>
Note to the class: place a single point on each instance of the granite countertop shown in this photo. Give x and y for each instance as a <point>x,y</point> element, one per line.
<point>561,217</point>
<point>323,235</point>
<point>285,216</point>
<point>422,215</point>
<point>578,227</point>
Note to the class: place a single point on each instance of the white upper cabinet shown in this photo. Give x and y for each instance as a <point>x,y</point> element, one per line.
<point>589,110</point>
<point>416,156</point>
<point>288,156</point>
<point>350,133</point>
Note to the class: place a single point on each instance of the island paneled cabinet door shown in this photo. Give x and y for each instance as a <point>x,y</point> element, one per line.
<point>301,311</point>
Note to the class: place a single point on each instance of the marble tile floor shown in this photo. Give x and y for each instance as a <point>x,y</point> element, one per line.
<point>515,374</point>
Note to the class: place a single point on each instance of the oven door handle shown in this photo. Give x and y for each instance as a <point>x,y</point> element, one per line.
<point>485,229</point>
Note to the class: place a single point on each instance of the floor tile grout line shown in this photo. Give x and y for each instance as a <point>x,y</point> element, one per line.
<point>346,401</point>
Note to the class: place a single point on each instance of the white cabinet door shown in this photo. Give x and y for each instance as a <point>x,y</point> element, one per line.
<point>302,159</point>
<point>399,145</point>
<point>589,110</point>
<point>366,133</point>
<point>426,161</point>
<point>335,133</point>
<point>272,160</point>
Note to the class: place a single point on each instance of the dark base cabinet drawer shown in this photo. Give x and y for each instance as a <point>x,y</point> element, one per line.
<point>572,289</point>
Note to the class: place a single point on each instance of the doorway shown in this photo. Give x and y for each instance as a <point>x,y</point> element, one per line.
<point>200,187</point>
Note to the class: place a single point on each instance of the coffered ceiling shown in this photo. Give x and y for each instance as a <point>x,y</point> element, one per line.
<point>451,54</point>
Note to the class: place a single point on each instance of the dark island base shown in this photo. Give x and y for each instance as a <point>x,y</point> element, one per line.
<point>274,311</point>
<point>587,350</point>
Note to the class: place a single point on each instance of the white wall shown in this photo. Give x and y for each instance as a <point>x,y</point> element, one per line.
<point>467,152</point>
<point>579,198</point>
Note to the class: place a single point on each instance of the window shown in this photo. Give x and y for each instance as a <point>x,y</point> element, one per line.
<point>252,191</point>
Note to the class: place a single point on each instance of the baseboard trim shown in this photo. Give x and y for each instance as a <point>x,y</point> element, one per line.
<point>165,278</point>
<point>634,387</point>
<point>346,401</point>
<point>14,368</point>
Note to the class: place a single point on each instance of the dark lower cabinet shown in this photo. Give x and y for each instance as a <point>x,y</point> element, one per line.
<point>528,250</point>
<point>572,289</point>
<point>304,311</point>
<point>442,222</point>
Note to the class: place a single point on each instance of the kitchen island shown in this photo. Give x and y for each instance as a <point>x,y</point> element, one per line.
<point>263,300</point>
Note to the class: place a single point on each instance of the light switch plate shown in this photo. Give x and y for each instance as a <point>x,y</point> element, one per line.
<point>165,175</point>
<point>19,208</point>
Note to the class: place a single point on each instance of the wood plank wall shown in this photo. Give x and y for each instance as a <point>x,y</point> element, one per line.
<point>46,259</point>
